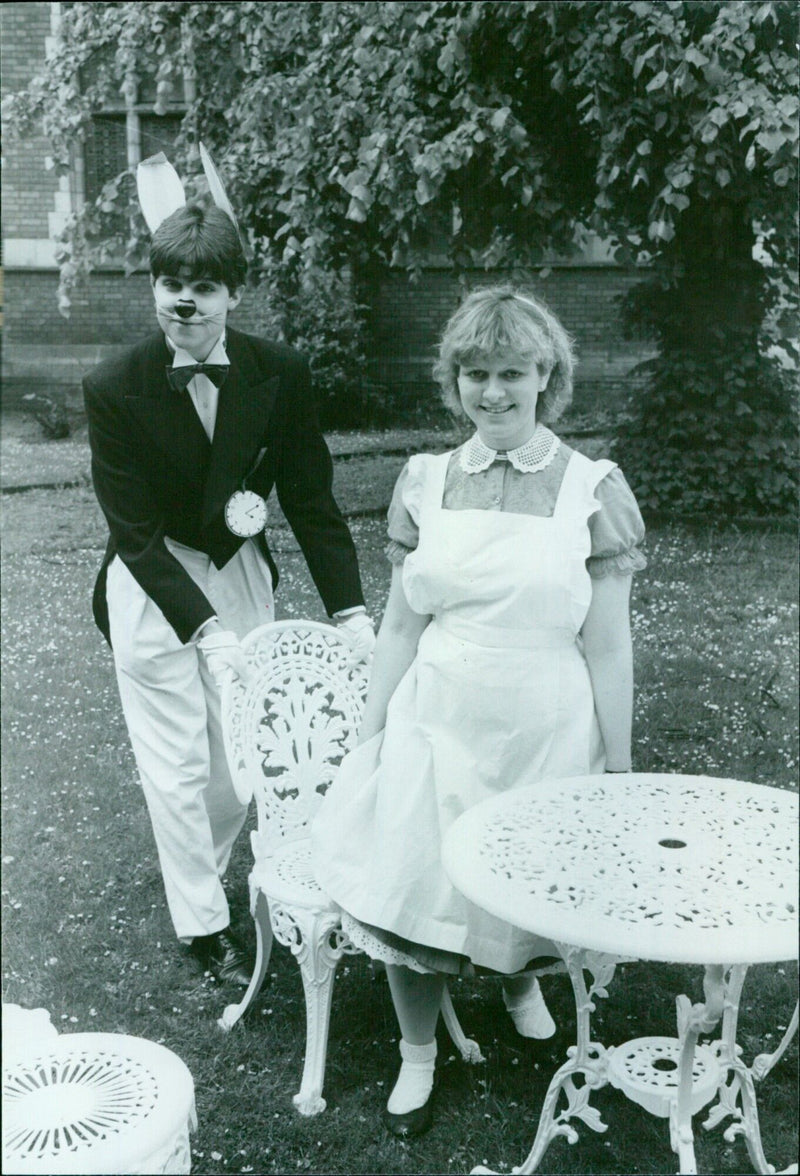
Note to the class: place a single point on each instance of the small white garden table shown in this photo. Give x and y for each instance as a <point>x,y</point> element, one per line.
<point>683,869</point>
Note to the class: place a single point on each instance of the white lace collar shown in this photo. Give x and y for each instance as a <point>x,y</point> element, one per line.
<point>534,455</point>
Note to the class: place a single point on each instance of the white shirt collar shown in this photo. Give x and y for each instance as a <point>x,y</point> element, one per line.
<point>534,455</point>
<point>181,358</point>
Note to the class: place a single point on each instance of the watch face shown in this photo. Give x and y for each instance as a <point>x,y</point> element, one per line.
<point>245,513</point>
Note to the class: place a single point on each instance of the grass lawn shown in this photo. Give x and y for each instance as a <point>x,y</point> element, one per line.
<point>86,932</point>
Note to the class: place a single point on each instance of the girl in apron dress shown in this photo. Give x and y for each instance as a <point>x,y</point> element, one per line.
<point>504,657</point>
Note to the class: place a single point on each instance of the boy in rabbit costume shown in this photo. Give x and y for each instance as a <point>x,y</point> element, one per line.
<point>189,431</point>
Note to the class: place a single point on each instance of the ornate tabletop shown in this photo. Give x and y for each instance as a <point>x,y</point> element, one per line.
<point>686,869</point>
<point>683,869</point>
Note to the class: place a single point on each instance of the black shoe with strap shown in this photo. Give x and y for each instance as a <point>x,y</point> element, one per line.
<point>412,1123</point>
<point>224,955</point>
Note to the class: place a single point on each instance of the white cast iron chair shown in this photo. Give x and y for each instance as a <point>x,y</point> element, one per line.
<point>286,732</point>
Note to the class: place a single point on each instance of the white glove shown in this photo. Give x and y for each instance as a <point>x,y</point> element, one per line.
<point>224,657</point>
<point>361,632</point>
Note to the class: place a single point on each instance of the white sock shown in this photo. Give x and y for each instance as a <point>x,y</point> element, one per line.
<point>523,998</point>
<point>415,1081</point>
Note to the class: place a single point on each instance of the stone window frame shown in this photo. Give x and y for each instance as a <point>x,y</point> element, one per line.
<point>133,107</point>
<point>133,112</point>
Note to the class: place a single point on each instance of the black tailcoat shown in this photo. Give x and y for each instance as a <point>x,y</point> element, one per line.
<point>156,474</point>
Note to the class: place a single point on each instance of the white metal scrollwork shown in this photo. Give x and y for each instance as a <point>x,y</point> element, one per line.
<point>290,727</point>
<point>286,732</point>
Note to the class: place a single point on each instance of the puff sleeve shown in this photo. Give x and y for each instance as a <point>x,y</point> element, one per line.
<point>617,530</point>
<point>403,514</point>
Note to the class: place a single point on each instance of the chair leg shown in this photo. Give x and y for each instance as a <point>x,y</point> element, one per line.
<point>233,1012</point>
<point>317,942</point>
<point>469,1050</point>
<point>318,954</point>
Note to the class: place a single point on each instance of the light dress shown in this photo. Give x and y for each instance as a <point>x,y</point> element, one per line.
<point>497,697</point>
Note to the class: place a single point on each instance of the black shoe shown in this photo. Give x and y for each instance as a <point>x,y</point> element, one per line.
<point>415,1122</point>
<point>224,956</point>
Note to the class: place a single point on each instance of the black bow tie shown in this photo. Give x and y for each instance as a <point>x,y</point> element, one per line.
<point>179,377</point>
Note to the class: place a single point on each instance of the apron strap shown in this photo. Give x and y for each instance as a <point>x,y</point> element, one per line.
<point>581,478</point>
<point>436,465</point>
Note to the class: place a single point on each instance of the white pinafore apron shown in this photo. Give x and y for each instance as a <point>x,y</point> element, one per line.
<point>498,697</point>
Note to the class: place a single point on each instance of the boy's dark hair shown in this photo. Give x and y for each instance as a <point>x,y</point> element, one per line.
<point>205,240</point>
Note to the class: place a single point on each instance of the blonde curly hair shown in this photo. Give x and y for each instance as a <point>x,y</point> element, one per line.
<point>497,319</point>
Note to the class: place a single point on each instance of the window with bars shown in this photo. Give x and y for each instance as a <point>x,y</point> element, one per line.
<point>158,132</point>
<point>105,150</point>
<point>105,153</point>
<point>121,134</point>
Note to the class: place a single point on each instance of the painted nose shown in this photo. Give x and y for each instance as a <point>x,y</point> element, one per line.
<point>185,310</point>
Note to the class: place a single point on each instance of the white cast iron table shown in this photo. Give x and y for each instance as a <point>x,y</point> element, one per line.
<point>680,869</point>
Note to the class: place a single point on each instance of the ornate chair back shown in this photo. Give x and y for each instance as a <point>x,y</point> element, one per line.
<point>286,732</point>
<point>288,728</point>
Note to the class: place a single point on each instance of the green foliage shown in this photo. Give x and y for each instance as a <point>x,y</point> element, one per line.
<point>356,136</point>
<point>688,102</point>
<point>377,132</point>
<point>366,133</point>
<point>709,435</point>
<point>694,107</point>
<point>317,312</point>
<point>715,428</point>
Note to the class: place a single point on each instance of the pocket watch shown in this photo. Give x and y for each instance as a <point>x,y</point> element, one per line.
<point>245,513</point>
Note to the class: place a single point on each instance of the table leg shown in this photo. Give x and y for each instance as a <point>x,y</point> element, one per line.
<point>737,1096</point>
<point>764,1062</point>
<point>692,1021</point>
<point>586,1058</point>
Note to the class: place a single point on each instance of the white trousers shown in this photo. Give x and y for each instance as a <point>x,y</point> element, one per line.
<point>172,711</point>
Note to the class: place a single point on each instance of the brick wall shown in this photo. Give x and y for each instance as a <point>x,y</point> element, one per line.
<point>29,189</point>
<point>47,352</point>
<point>113,310</point>
<point>407,318</point>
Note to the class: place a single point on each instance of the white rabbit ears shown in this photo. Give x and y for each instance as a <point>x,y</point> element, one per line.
<point>161,191</point>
